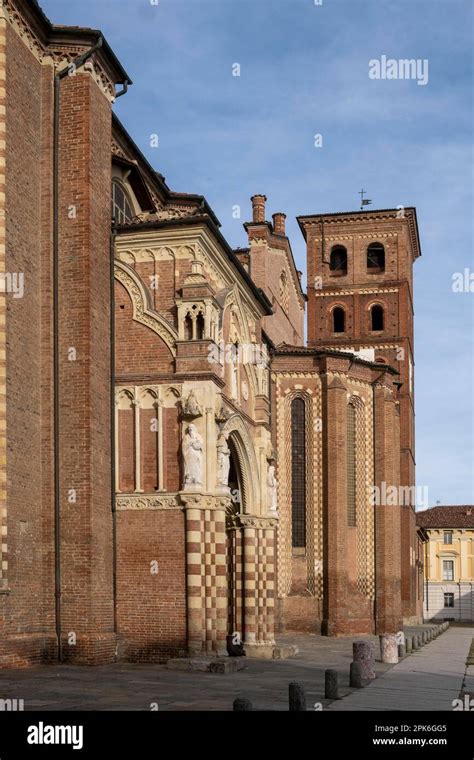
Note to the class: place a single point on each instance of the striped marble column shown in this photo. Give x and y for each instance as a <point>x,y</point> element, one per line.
<point>250,622</point>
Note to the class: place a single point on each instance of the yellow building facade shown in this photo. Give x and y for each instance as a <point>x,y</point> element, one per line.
<point>449,563</point>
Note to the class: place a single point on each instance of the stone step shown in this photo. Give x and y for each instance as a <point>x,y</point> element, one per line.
<point>224,665</point>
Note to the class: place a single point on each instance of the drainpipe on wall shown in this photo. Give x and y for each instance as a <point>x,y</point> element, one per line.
<point>76,63</point>
<point>112,422</point>
<point>113,235</point>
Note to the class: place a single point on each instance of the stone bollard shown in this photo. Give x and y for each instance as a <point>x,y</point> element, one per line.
<point>331,689</point>
<point>416,643</point>
<point>423,638</point>
<point>355,676</point>
<point>241,704</point>
<point>409,644</point>
<point>389,648</point>
<point>402,651</point>
<point>363,652</point>
<point>296,698</point>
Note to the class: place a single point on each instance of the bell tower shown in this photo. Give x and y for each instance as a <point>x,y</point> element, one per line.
<point>360,300</point>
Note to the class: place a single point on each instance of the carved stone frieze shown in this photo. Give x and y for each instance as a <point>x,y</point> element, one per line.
<point>147,502</point>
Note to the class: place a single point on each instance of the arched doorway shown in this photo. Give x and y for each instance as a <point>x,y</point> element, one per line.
<point>234,548</point>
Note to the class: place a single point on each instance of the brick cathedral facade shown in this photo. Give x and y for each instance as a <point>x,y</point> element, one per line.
<point>179,469</point>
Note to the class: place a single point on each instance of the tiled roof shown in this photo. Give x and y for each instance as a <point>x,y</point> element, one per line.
<point>459,516</point>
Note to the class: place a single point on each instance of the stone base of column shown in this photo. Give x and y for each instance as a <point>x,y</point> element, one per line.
<point>270,651</point>
<point>206,649</point>
<point>96,649</point>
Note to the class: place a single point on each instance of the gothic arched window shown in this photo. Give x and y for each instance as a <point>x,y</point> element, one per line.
<point>200,326</point>
<point>188,327</point>
<point>298,473</point>
<point>121,206</point>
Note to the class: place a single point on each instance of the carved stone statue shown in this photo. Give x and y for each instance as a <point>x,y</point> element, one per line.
<point>191,406</point>
<point>272,484</point>
<point>192,455</point>
<point>223,461</point>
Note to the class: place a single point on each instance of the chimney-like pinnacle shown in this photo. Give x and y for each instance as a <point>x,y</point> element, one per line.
<point>258,208</point>
<point>279,223</point>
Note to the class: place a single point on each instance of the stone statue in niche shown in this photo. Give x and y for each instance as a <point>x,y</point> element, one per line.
<point>272,483</point>
<point>192,455</point>
<point>223,461</point>
<point>191,406</point>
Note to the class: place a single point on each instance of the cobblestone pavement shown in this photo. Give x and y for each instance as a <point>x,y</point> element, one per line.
<point>126,686</point>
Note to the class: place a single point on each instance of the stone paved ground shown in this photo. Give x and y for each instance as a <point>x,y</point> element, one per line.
<point>134,687</point>
<point>430,679</point>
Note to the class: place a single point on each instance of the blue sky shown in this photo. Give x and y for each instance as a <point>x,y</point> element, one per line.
<point>304,70</point>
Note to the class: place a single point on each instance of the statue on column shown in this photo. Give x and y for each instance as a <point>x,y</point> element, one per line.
<point>223,461</point>
<point>272,483</point>
<point>192,455</point>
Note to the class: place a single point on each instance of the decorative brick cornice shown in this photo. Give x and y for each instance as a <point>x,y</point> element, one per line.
<point>362,291</point>
<point>59,46</point>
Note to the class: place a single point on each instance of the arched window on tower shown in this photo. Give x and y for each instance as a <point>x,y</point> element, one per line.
<point>298,473</point>
<point>376,257</point>
<point>338,260</point>
<point>338,320</point>
<point>121,206</point>
<point>376,318</point>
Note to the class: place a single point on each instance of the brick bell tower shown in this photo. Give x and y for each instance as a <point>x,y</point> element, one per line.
<point>360,299</point>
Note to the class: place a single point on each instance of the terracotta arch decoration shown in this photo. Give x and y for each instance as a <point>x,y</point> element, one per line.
<point>142,310</point>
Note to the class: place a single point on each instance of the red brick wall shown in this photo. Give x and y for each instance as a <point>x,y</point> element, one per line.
<point>85,420</point>
<point>151,608</point>
<point>27,609</point>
